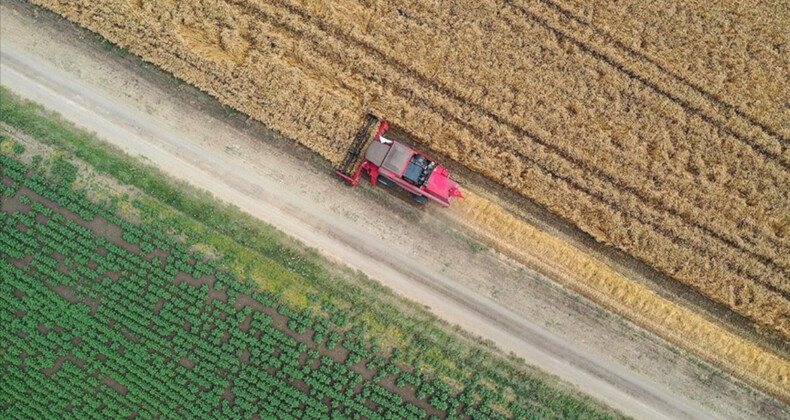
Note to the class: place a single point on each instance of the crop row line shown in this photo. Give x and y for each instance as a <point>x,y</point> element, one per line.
<point>128,295</point>
<point>675,99</point>
<point>568,14</point>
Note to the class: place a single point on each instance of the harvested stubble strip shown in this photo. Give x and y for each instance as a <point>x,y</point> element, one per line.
<point>597,281</point>
<point>658,77</point>
<point>319,103</point>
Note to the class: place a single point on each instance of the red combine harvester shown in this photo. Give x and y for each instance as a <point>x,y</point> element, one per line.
<point>390,163</point>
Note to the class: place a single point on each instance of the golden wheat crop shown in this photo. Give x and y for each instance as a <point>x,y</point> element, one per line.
<point>746,48</point>
<point>526,93</point>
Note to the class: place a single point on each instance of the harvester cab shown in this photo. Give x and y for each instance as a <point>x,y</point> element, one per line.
<point>391,163</point>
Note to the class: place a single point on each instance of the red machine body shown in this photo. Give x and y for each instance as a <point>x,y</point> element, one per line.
<point>390,162</point>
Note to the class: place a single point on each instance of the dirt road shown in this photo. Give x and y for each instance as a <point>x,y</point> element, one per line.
<point>412,251</point>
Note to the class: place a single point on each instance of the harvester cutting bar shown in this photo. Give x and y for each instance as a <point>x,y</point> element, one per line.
<point>352,157</point>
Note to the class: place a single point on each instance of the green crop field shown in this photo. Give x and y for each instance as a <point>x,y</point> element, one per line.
<point>117,304</point>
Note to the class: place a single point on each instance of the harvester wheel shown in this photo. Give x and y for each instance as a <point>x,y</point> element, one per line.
<point>419,199</point>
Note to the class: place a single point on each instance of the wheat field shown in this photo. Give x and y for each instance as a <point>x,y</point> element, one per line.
<point>606,119</point>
